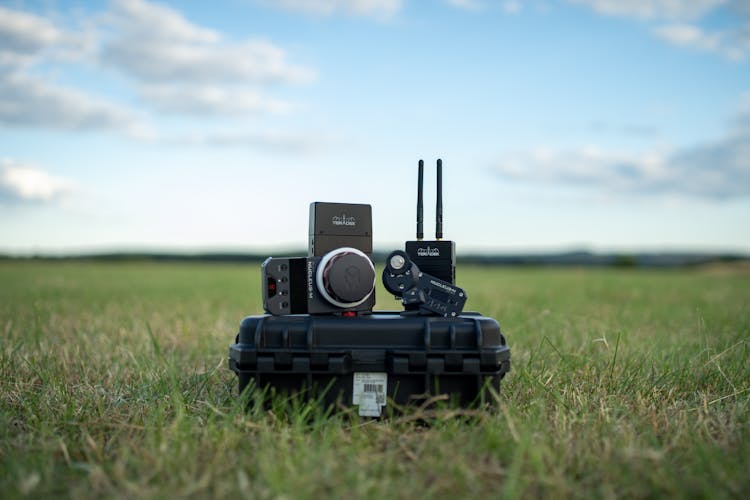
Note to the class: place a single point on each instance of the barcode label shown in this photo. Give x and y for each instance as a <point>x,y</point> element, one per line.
<point>368,392</point>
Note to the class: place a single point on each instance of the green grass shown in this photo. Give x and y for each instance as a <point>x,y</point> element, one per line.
<point>113,382</point>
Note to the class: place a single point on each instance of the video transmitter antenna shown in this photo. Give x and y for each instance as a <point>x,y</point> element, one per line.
<point>420,209</point>
<point>439,203</point>
<point>436,257</point>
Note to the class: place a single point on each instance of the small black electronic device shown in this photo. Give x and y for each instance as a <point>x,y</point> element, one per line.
<point>336,225</point>
<point>418,290</point>
<point>337,276</point>
<point>435,257</point>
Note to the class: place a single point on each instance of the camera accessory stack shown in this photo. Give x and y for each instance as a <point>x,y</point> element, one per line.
<point>321,338</point>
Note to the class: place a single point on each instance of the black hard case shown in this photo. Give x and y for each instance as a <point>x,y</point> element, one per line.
<point>463,356</point>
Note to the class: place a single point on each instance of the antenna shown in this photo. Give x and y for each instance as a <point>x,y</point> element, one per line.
<point>420,209</point>
<point>436,257</point>
<point>439,205</point>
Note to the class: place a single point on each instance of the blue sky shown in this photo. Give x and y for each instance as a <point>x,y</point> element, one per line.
<point>596,124</point>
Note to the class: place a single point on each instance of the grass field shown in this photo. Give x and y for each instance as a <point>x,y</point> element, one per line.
<point>113,382</point>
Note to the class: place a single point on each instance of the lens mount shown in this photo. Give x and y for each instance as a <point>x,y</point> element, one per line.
<point>343,277</point>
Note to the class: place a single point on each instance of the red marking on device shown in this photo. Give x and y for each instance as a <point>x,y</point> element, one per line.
<point>349,314</point>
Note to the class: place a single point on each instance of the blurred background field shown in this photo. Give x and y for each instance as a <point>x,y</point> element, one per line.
<point>624,382</point>
<point>152,150</point>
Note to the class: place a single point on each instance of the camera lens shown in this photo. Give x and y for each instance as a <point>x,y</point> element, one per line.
<point>345,277</point>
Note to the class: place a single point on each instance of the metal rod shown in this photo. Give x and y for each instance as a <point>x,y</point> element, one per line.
<point>420,208</point>
<point>439,205</point>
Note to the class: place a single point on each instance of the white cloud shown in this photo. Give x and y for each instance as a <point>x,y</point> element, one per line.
<point>512,6</point>
<point>717,170</point>
<point>588,165</point>
<point>379,9</point>
<point>174,65</point>
<point>23,34</point>
<point>275,141</point>
<point>506,6</point>
<point>466,4</point>
<point>31,101</point>
<point>688,173</point>
<point>25,37</point>
<point>733,45</point>
<point>210,100</point>
<point>732,42</point>
<point>152,20</point>
<point>154,43</point>
<point>653,9</point>
<point>687,35</point>
<point>27,100</point>
<point>25,183</point>
<point>181,67</point>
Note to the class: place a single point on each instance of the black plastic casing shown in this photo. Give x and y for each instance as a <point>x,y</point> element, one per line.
<point>336,225</point>
<point>284,285</point>
<point>465,357</point>
<point>295,291</point>
<point>436,257</point>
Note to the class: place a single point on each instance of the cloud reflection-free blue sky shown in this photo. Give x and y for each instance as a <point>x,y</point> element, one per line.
<point>599,124</point>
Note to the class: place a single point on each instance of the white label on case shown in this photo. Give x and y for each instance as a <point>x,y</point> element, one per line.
<point>368,392</point>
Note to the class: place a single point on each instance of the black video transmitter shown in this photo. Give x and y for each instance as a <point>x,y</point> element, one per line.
<point>435,257</point>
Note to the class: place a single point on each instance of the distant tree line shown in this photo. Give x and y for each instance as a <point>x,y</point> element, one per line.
<point>585,259</point>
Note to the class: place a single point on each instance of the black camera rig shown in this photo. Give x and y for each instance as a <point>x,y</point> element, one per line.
<point>320,333</point>
<point>337,276</point>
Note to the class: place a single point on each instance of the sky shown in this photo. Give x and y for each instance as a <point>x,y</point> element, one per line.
<point>602,125</point>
